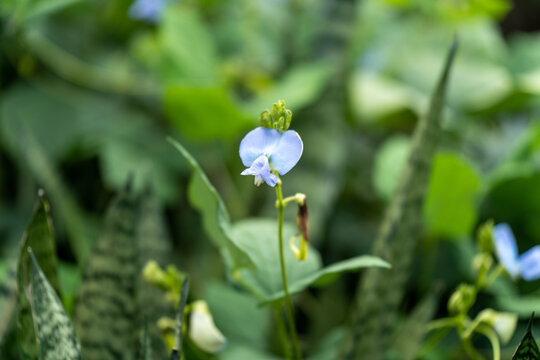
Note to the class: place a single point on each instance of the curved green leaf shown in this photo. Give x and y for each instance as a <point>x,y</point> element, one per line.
<point>527,349</point>
<point>258,237</point>
<point>39,238</point>
<point>105,313</point>
<point>55,333</point>
<point>204,197</point>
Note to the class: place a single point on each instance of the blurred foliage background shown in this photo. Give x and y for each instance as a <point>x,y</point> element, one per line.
<point>88,96</point>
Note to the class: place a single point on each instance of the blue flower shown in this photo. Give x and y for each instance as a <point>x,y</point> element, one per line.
<point>147,10</point>
<point>526,265</point>
<point>263,150</point>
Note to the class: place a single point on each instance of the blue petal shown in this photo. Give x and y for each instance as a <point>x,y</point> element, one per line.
<point>529,264</point>
<point>261,169</point>
<point>257,142</point>
<point>506,248</point>
<point>148,10</point>
<point>287,152</point>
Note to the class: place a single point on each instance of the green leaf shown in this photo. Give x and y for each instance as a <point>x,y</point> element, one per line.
<point>258,237</point>
<point>204,112</point>
<point>154,244</point>
<point>205,198</point>
<point>106,313</point>
<point>38,237</point>
<point>527,349</point>
<point>380,293</point>
<point>237,315</point>
<point>409,338</point>
<point>389,163</point>
<point>56,337</point>
<point>298,87</point>
<point>452,213</point>
<point>8,301</point>
<point>146,344</point>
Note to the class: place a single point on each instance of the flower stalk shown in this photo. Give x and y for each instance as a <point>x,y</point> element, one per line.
<point>288,303</point>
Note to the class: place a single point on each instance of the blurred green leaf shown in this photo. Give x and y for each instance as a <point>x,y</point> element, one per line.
<point>450,208</point>
<point>409,338</point>
<point>204,112</point>
<point>298,87</point>
<point>106,313</point>
<point>38,237</point>
<point>328,348</point>
<point>258,237</point>
<point>389,163</point>
<point>237,315</point>
<point>23,12</point>
<point>56,337</point>
<point>8,301</point>
<point>69,278</point>
<point>522,305</point>
<point>205,198</point>
<point>237,351</point>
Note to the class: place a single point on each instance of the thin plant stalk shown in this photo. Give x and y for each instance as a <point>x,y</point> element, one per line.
<point>288,303</point>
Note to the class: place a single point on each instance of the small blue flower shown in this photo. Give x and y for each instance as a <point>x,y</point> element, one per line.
<point>527,265</point>
<point>263,150</point>
<point>147,10</point>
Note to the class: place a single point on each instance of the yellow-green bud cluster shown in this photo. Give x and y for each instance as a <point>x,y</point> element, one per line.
<point>278,118</point>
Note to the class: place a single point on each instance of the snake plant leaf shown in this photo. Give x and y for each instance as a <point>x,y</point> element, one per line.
<point>146,344</point>
<point>8,302</point>
<point>205,198</point>
<point>381,292</point>
<point>55,333</point>
<point>154,244</point>
<point>258,237</point>
<point>39,237</point>
<point>527,349</point>
<point>106,313</point>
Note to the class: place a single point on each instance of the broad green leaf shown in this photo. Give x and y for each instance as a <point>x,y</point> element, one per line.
<point>237,315</point>
<point>450,208</point>
<point>38,237</point>
<point>56,337</point>
<point>106,313</point>
<point>527,349</point>
<point>298,87</point>
<point>205,198</point>
<point>238,351</point>
<point>521,305</point>
<point>328,348</point>
<point>154,244</point>
<point>258,237</point>
<point>204,112</point>
<point>389,163</point>
<point>380,293</point>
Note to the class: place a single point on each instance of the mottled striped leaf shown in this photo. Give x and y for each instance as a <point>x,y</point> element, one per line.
<point>381,292</point>
<point>105,313</point>
<point>527,349</point>
<point>154,244</point>
<point>8,301</point>
<point>205,198</point>
<point>178,333</point>
<point>38,237</point>
<point>55,334</point>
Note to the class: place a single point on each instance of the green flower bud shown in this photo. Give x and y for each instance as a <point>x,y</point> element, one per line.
<point>484,237</point>
<point>462,299</point>
<point>278,118</point>
<point>503,323</point>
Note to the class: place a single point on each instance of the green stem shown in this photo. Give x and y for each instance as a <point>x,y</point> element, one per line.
<point>292,328</point>
<point>492,337</point>
<point>470,350</point>
<point>282,333</point>
<point>493,276</point>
